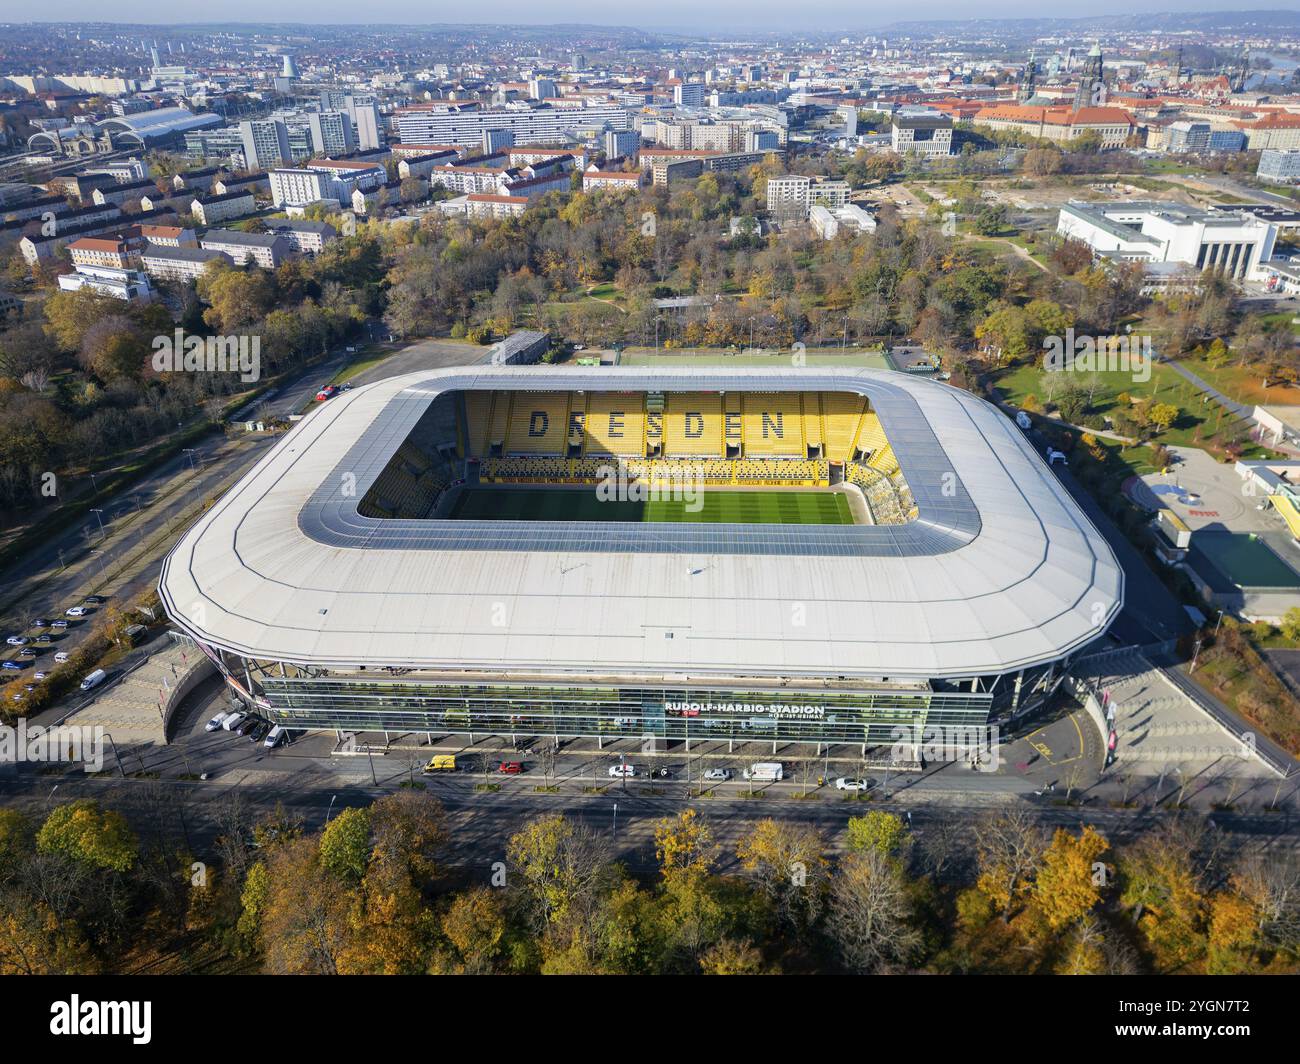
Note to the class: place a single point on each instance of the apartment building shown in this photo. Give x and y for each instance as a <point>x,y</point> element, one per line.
<point>265,143</point>
<point>791,196</point>
<point>115,252</point>
<point>494,205</point>
<point>616,181</point>
<point>304,236</point>
<point>266,250</point>
<point>210,210</point>
<point>545,124</point>
<point>166,263</point>
<point>331,133</point>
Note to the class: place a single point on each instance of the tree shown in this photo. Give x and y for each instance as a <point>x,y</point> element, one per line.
<point>870,917</point>
<point>886,833</point>
<point>475,925</point>
<point>1009,849</point>
<point>732,957</point>
<point>85,832</point>
<point>237,298</point>
<point>345,845</point>
<point>1163,415</point>
<point>410,830</point>
<point>789,862</point>
<point>304,923</point>
<point>684,845</point>
<point>556,866</point>
<point>1066,886</point>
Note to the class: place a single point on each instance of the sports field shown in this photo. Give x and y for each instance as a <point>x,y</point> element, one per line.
<point>755,507</point>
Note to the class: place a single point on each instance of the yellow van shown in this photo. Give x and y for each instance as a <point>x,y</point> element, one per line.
<point>441,763</point>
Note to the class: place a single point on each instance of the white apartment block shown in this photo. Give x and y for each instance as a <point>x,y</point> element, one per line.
<point>211,210</point>
<point>490,205</point>
<point>299,188</point>
<point>165,263</point>
<point>536,125</point>
<point>791,196</point>
<point>263,249</point>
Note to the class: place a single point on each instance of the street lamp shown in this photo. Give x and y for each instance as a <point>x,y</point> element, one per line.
<point>616,820</point>
<point>99,516</point>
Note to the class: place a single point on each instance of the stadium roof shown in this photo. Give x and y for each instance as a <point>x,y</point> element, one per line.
<point>148,126</point>
<point>1000,570</point>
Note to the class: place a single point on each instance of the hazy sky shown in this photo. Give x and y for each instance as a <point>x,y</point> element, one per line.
<point>735,15</point>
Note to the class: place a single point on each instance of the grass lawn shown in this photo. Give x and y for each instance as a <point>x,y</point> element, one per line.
<point>829,356</point>
<point>1197,420</point>
<point>753,507</point>
<point>1244,385</point>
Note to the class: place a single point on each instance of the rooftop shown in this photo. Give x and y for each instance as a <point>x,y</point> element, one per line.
<point>1000,573</point>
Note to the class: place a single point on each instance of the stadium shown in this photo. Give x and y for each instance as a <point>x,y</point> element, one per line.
<point>798,555</point>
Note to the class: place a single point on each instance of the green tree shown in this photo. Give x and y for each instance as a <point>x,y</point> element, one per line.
<point>345,845</point>
<point>86,832</point>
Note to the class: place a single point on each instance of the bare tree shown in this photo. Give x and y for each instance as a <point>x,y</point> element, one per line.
<point>870,919</point>
<point>1010,847</point>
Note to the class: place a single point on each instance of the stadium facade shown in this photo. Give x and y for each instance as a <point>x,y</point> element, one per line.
<point>342,583</point>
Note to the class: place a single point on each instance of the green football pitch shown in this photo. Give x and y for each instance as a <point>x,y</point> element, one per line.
<point>754,507</point>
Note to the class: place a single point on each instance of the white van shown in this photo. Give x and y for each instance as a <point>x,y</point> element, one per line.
<point>765,772</point>
<point>94,679</point>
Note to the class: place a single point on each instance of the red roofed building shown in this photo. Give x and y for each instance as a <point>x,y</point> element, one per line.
<point>1060,124</point>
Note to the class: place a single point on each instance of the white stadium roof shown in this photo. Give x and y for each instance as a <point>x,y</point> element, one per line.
<point>1001,570</point>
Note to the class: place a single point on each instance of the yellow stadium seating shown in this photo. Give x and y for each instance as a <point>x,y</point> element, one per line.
<point>773,425</point>
<point>692,424</point>
<point>841,416</point>
<point>614,424</point>
<point>538,423</point>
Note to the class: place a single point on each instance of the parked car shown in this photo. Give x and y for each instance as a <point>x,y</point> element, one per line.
<point>851,783</point>
<point>27,654</point>
<point>216,722</point>
<point>512,768</point>
<point>277,735</point>
<point>328,392</point>
<point>61,656</point>
<point>12,666</point>
<point>60,624</point>
<point>95,600</point>
<point>247,726</point>
<point>17,640</point>
<point>259,731</point>
<point>75,611</point>
<point>40,622</point>
<point>626,772</point>
<point>233,721</point>
<point>723,774</point>
<point>94,679</point>
<point>40,675</point>
<point>44,640</point>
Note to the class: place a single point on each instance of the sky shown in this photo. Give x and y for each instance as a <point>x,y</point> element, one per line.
<point>740,16</point>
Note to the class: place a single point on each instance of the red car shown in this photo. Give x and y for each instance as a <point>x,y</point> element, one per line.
<point>328,392</point>
<point>511,767</point>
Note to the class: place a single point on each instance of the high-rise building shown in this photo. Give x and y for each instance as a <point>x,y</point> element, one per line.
<point>620,143</point>
<point>331,133</point>
<point>266,143</point>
